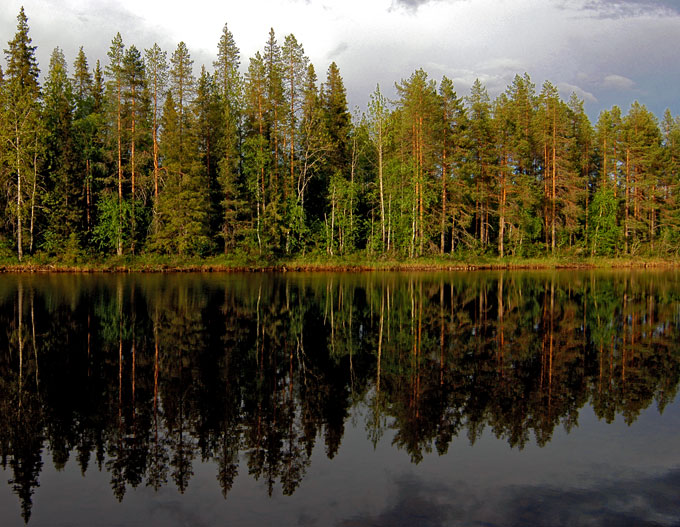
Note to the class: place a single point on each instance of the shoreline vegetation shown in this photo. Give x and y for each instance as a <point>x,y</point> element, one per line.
<point>154,264</point>
<point>137,164</point>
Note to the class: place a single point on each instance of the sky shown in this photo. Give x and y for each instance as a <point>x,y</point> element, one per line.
<point>606,51</point>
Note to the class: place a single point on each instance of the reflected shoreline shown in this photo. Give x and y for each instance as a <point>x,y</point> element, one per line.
<point>144,375</point>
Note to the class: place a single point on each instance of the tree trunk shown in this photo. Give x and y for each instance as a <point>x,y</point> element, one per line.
<point>380,180</point>
<point>554,178</point>
<point>33,193</point>
<point>501,219</point>
<point>132,167</point>
<point>20,249</point>
<point>443,222</point>
<point>88,195</point>
<point>120,176</point>
<point>625,227</point>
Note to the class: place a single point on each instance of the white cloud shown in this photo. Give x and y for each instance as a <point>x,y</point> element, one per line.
<point>569,42</point>
<point>617,82</point>
<point>567,89</point>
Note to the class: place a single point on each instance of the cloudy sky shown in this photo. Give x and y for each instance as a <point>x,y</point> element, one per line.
<point>607,51</point>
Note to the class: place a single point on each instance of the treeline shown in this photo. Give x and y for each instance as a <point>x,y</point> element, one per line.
<point>137,155</point>
<point>145,376</point>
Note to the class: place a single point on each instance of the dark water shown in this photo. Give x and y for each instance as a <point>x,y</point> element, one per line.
<point>352,400</point>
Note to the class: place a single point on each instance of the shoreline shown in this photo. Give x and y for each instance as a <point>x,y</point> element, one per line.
<point>341,267</point>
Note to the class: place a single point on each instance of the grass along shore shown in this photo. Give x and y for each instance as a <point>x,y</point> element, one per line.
<point>351,263</point>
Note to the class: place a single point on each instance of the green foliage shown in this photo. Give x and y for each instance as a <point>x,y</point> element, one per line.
<point>272,163</point>
<point>111,216</point>
<point>605,233</point>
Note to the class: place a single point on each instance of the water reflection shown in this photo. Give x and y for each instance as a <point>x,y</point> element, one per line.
<point>144,376</point>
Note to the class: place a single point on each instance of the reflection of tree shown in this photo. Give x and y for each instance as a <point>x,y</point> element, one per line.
<point>144,374</point>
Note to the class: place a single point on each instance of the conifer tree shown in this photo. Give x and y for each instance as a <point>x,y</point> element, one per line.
<point>64,204</point>
<point>85,129</point>
<point>20,119</point>
<point>336,171</point>
<point>256,151</point>
<point>294,68</point>
<point>452,146</point>
<point>229,88</point>
<point>669,220</point>
<point>315,146</point>
<point>378,115</point>
<point>184,200</point>
<point>275,105</point>
<point>157,76</point>
<point>580,152</point>
<point>115,72</point>
<point>482,158</point>
<point>561,180</point>
<point>642,142</point>
<point>135,96</point>
<point>523,213</point>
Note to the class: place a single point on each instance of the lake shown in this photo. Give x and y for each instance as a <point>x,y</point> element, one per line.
<point>359,399</point>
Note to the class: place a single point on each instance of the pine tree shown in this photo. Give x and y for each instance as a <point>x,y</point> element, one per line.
<point>294,68</point>
<point>561,179</point>
<point>157,76</point>
<point>136,102</point>
<point>378,115</point>
<point>452,146</point>
<point>523,212</point>
<point>115,72</point>
<point>580,152</point>
<point>642,143</point>
<point>503,139</point>
<point>482,158</point>
<point>669,220</point>
<point>608,151</point>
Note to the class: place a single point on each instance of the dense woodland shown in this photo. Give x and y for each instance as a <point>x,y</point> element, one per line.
<point>135,155</point>
<point>147,376</point>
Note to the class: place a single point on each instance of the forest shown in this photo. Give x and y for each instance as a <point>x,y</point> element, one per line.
<point>136,155</point>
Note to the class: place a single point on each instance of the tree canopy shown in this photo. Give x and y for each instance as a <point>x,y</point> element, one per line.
<point>145,155</point>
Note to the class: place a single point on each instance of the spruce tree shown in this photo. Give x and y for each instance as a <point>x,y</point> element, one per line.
<point>184,201</point>
<point>20,120</point>
<point>294,68</point>
<point>229,89</point>
<point>64,204</point>
<point>86,129</point>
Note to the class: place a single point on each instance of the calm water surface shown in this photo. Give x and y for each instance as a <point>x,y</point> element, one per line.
<point>354,400</point>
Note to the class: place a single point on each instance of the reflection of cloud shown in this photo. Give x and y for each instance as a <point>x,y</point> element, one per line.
<point>645,501</point>
<point>617,82</point>
<point>416,503</point>
<point>174,512</point>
